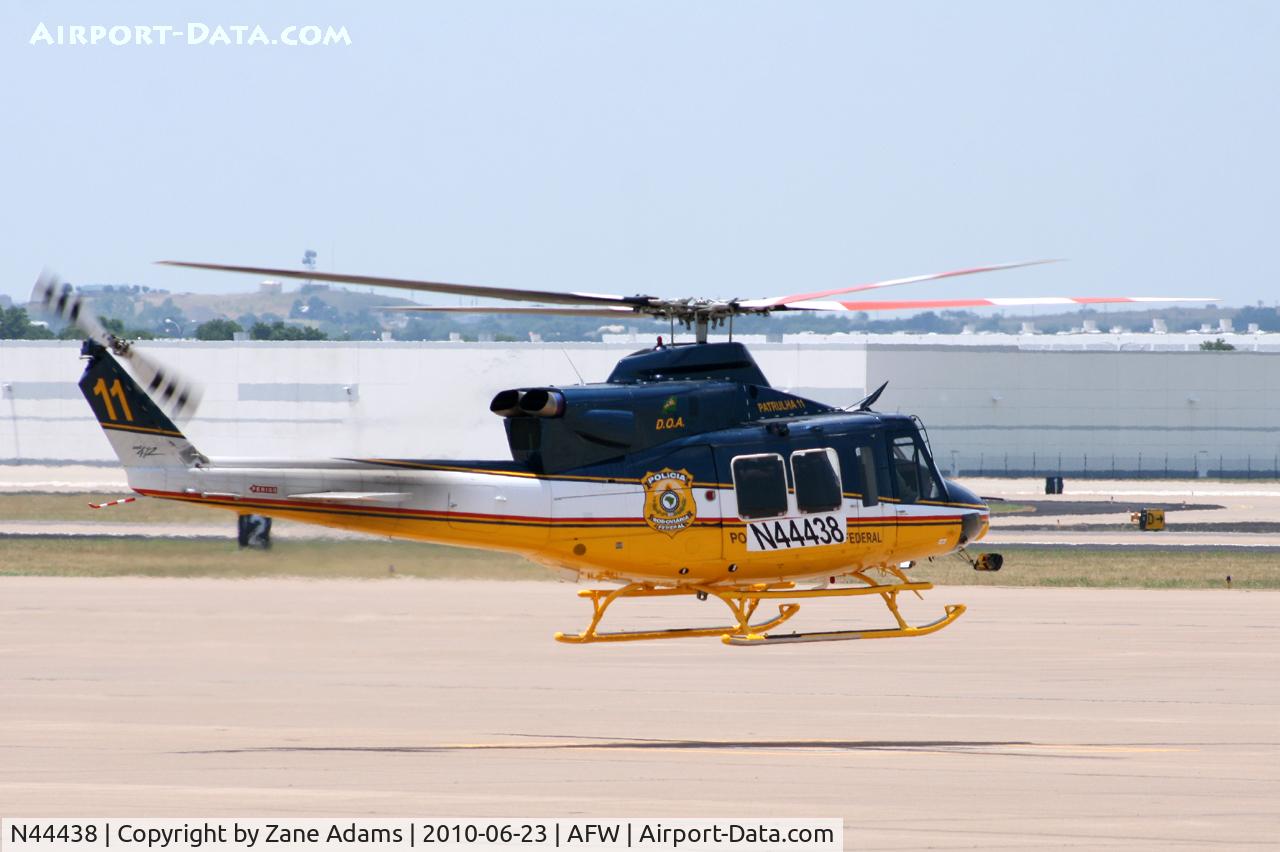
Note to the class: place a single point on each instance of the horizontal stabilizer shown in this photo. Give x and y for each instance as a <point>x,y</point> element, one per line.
<point>353,496</point>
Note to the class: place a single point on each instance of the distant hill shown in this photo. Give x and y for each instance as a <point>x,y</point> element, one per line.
<point>338,311</point>
<point>199,307</point>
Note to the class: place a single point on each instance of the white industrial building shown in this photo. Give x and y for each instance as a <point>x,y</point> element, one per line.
<point>1134,404</point>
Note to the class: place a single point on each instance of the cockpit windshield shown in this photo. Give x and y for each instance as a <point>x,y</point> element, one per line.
<point>913,473</point>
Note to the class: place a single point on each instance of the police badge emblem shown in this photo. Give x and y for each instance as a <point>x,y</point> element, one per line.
<point>669,506</point>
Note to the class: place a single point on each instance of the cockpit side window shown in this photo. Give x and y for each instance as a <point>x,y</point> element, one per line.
<point>816,479</point>
<point>760,484</point>
<point>912,473</point>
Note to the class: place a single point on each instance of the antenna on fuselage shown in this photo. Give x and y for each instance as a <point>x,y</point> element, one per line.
<point>571,364</point>
<point>868,401</point>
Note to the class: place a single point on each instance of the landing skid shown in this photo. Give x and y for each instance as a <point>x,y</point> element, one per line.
<point>953,611</point>
<point>743,602</point>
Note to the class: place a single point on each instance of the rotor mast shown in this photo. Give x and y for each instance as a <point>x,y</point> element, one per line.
<point>700,316</point>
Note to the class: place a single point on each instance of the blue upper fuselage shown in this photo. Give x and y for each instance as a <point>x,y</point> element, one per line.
<point>693,407</point>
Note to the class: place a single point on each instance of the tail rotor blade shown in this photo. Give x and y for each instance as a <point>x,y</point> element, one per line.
<point>177,394</point>
<point>60,299</point>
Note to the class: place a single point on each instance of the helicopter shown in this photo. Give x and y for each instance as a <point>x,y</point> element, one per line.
<point>684,473</point>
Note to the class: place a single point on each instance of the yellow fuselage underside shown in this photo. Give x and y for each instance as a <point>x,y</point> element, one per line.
<point>631,550</point>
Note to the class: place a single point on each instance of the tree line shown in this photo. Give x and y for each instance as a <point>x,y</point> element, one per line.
<point>16,324</point>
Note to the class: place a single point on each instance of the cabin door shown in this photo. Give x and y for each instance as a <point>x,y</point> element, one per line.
<point>917,490</point>
<point>873,527</point>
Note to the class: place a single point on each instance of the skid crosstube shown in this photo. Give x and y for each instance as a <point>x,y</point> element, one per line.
<point>743,602</point>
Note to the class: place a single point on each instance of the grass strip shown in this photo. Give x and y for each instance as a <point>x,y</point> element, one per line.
<point>1067,566</point>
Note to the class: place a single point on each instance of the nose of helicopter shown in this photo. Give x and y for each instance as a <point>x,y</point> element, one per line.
<point>976,517</point>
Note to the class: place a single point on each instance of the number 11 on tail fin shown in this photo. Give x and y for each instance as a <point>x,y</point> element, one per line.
<point>141,434</point>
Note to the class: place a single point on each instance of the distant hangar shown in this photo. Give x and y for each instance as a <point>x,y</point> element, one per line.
<point>1076,405</point>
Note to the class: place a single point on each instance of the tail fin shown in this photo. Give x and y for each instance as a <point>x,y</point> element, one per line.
<point>141,434</point>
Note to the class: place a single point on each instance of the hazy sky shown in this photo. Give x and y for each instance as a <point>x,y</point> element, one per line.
<point>671,148</point>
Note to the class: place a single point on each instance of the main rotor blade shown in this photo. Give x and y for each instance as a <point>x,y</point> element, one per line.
<point>779,301</point>
<point>514,309</point>
<point>998,302</point>
<point>509,293</point>
<point>178,395</point>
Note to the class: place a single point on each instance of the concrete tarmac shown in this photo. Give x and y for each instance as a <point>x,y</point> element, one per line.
<point>1043,718</point>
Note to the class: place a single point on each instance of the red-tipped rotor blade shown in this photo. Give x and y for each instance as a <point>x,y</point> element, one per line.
<point>995,302</point>
<point>781,301</point>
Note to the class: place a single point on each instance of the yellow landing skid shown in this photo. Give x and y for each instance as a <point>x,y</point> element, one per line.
<point>954,611</point>
<point>744,601</point>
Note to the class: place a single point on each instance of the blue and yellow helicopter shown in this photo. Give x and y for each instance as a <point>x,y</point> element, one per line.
<point>685,473</point>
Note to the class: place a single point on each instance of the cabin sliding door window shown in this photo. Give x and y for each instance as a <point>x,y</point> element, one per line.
<point>817,482</point>
<point>760,484</point>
